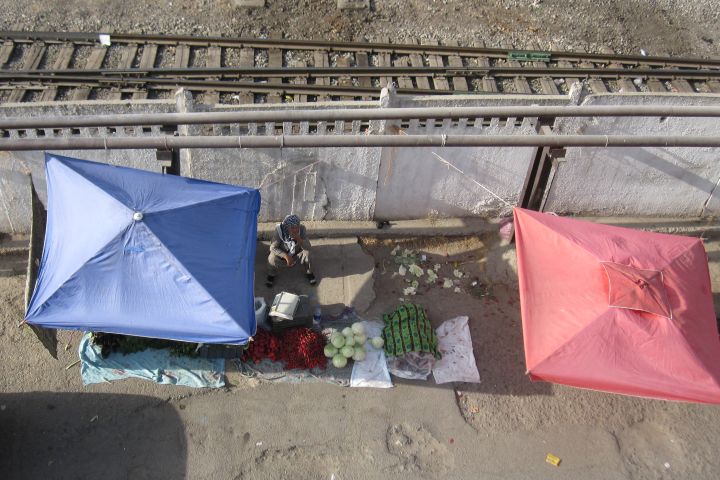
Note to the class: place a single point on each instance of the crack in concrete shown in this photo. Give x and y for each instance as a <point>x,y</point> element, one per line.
<point>712,192</point>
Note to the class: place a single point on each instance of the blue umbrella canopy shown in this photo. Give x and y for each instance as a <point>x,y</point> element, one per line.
<point>139,253</point>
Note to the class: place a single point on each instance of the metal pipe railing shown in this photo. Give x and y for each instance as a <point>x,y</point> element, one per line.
<point>298,141</point>
<point>349,114</point>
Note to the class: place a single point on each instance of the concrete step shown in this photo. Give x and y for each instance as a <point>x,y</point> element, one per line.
<point>14,263</point>
<point>13,255</point>
<point>455,227</point>
<point>396,228</point>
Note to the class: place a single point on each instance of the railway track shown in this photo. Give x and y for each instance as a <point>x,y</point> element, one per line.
<point>45,66</point>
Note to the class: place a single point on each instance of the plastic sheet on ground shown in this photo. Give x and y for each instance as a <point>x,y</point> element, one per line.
<point>373,371</point>
<point>412,365</point>
<point>458,360</point>
<point>275,372</point>
<point>158,366</point>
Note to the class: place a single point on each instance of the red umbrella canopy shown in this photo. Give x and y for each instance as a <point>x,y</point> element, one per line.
<point>616,309</point>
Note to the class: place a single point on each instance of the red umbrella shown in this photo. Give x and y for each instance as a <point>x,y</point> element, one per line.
<point>615,309</point>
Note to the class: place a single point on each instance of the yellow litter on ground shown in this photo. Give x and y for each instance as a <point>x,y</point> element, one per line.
<point>552,459</point>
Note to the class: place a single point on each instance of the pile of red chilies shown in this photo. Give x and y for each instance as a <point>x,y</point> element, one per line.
<point>264,345</point>
<point>297,348</point>
<point>303,348</point>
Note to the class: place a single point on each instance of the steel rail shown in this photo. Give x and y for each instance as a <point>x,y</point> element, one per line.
<point>301,141</point>
<point>350,114</point>
<point>231,86</point>
<point>213,85</point>
<point>324,72</point>
<point>238,42</point>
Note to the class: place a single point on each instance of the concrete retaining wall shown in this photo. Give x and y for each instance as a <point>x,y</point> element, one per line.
<point>17,168</point>
<point>678,182</point>
<point>315,183</point>
<point>417,183</point>
<point>394,183</point>
<point>375,183</point>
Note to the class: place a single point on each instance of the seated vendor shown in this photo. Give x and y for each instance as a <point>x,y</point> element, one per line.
<point>289,246</point>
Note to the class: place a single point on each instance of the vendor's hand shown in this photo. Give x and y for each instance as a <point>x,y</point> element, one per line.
<point>289,260</point>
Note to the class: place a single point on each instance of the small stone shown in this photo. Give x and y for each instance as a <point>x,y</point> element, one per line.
<point>353,4</point>
<point>249,3</point>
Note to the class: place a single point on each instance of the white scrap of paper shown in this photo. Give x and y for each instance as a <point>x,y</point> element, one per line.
<point>104,39</point>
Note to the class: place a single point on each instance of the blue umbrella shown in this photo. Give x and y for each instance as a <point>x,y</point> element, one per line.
<point>139,253</point>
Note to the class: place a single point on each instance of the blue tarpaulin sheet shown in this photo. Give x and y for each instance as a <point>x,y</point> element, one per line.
<point>158,366</point>
<point>139,253</point>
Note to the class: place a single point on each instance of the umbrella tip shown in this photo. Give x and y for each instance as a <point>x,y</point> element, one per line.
<point>137,216</point>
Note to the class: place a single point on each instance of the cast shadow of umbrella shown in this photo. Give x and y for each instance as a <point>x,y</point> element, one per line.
<point>89,435</point>
<point>497,333</point>
<point>496,330</point>
<point>334,262</point>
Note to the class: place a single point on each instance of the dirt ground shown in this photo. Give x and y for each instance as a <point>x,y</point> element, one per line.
<point>678,27</point>
<point>646,434</point>
<point>501,428</point>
